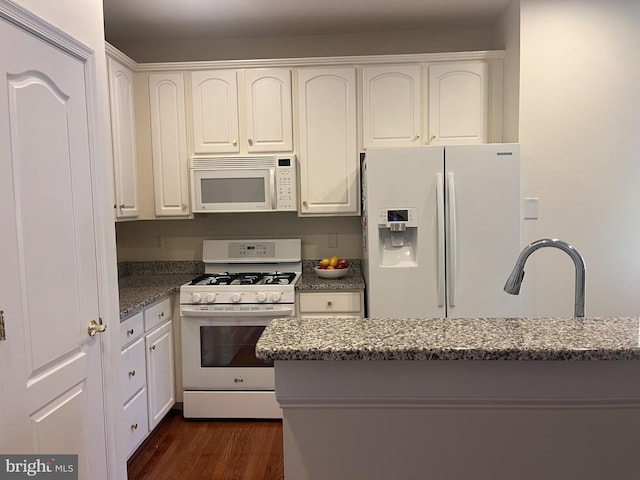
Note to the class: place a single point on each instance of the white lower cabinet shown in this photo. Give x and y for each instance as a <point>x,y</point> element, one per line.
<point>160,377</point>
<point>135,420</point>
<point>147,371</point>
<point>331,304</point>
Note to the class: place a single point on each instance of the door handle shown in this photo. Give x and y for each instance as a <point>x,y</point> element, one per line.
<point>453,240</point>
<point>95,327</point>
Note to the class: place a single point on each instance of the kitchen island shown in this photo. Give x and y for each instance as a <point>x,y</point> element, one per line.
<point>445,399</point>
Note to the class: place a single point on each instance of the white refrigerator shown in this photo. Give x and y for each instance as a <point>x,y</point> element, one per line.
<point>441,230</point>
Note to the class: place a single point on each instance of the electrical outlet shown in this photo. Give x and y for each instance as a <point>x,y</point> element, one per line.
<point>159,243</point>
<point>333,240</point>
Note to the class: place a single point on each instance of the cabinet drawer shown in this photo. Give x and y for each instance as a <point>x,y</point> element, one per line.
<point>131,329</point>
<point>134,371</point>
<point>135,420</point>
<point>157,314</point>
<point>330,303</point>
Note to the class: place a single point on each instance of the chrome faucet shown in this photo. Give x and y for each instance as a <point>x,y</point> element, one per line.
<point>515,279</point>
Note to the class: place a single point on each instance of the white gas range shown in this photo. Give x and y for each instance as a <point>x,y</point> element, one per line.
<point>247,283</point>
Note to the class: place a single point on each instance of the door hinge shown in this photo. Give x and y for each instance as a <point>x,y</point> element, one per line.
<point>3,335</point>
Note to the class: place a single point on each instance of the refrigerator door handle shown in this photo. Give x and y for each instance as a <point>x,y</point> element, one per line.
<point>440,278</point>
<point>453,240</point>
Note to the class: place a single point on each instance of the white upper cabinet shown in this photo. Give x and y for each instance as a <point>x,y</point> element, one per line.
<point>169,144</point>
<point>268,120</point>
<point>458,103</point>
<point>391,105</point>
<point>123,137</point>
<point>329,160</point>
<point>215,111</point>
<point>242,111</point>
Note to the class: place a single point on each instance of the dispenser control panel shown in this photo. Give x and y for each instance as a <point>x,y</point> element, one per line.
<point>389,216</point>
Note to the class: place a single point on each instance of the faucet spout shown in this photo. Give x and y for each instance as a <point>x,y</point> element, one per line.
<point>512,286</point>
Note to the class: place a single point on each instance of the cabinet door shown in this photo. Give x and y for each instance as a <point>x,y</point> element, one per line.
<point>328,147</point>
<point>123,138</point>
<point>136,426</point>
<point>391,106</point>
<point>215,111</point>
<point>458,103</point>
<point>160,373</point>
<point>268,110</point>
<point>133,375</point>
<point>169,145</point>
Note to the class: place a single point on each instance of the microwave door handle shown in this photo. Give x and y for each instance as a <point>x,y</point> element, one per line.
<point>272,182</point>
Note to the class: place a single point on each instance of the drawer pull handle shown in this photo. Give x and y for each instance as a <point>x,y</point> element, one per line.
<point>130,332</point>
<point>161,314</point>
<point>132,373</point>
<point>329,303</point>
<point>134,426</point>
<point>152,347</point>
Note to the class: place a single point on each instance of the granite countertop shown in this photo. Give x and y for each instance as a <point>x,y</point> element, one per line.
<point>451,339</point>
<point>142,283</point>
<point>140,291</point>
<point>310,282</point>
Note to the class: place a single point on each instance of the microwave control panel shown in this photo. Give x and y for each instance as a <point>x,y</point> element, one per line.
<point>286,183</point>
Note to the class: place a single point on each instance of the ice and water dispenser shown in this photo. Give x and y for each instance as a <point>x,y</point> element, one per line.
<point>397,230</point>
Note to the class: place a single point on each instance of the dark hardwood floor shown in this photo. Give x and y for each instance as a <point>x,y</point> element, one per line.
<point>211,449</point>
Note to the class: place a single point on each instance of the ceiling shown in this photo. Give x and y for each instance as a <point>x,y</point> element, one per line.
<point>189,19</point>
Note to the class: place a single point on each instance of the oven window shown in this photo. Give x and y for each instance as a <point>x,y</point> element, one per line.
<point>230,346</point>
<point>233,190</point>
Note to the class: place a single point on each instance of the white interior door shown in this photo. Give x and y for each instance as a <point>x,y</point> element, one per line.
<point>51,388</point>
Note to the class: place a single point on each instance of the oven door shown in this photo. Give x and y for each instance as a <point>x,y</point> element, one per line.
<point>249,190</point>
<point>218,352</point>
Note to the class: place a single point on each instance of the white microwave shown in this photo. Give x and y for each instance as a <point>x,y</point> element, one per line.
<point>244,184</point>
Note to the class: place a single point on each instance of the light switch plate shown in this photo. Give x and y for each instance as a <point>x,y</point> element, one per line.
<point>531,208</point>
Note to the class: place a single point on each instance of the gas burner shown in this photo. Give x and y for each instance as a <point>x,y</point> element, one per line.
<point>277,278</point>
<point>245,278</point>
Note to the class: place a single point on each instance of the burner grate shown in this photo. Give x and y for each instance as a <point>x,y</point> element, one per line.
<point>245,278</point>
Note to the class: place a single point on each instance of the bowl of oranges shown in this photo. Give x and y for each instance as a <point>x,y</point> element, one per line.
<point>334,267</point>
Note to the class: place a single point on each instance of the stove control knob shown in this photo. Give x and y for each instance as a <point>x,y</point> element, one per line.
<point>261,297</point>
<point>196,297</point>
<point>275,297</point>
<point>210,298</point>
<point>235,298</point>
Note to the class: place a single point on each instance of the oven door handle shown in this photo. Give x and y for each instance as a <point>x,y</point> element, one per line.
<point>285,312</point>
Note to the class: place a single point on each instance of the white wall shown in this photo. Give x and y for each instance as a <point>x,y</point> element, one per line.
<point>579,129</point>
<point>451,39</point>
<point>507,35</point>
